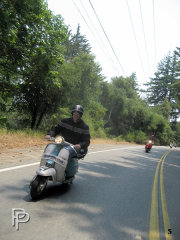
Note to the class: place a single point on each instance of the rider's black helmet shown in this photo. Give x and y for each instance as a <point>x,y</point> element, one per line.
<point>78,108</point>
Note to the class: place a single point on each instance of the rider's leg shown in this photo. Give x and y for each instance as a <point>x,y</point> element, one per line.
<point>72,168</point>
<point>72,165</point>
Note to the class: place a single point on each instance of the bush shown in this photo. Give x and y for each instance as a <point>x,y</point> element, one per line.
<point>3,121</point>
<point>119,139</point>
<point>140,137</point>
<point>51,120</point>
<point>137,137</point>
<point>130,137</point>
<point>96,130</point>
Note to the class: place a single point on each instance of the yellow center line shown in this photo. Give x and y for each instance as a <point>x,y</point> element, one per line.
<point>154,216</point>
<point>164,206</point>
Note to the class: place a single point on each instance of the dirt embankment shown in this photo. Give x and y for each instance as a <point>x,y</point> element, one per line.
<point>26,149</point>
<point>12,141</point>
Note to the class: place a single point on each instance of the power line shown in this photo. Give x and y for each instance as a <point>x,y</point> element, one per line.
<point>101,41</point>
<point>93,33</point>
<point>135,36</point>
<point>82,16</point>
<point>144,35</point>
<point>92,24</point>
<point>107,37</point>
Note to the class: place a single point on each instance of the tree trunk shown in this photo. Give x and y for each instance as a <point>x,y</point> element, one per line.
<point>40,119</point>
<point>33,121</point>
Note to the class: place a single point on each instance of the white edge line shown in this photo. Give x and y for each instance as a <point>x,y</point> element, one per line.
<point>113,149</point>
<point>36,163</point>
<point>21,166</point>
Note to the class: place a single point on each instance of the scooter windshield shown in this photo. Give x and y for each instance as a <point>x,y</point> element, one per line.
<point>53,149</point>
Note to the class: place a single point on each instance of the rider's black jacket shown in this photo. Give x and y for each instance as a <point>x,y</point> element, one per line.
<point>75,133</point>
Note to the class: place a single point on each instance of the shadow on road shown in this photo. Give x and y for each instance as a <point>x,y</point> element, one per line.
<point>110,198</point>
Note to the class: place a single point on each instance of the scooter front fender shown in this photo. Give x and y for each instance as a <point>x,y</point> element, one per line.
<point>47,172</point>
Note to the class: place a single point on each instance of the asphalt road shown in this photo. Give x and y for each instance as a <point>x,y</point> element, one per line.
<point>119,193</point>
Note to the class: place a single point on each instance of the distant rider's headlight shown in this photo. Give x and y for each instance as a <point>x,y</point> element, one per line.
<point>59,139</point>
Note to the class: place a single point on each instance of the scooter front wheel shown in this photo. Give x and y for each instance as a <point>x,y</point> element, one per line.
<point>146,150</point>
<point>37,186</point>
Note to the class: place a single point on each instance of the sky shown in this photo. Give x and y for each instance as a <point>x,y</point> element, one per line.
<point>131,36</point>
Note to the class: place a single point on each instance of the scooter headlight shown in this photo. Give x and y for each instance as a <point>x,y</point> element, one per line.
<point>150,141</point>
<point>59,139</point>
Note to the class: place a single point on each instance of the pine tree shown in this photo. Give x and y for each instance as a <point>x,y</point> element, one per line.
<point>161,86</point>
<point>76,44</point>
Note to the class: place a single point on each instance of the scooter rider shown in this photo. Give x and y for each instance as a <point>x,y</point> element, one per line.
<point>75,131</point>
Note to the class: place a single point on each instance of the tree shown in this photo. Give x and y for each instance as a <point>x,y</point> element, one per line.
<point>121,100</point>
<point>17,18</point>
<point>75,45</point>
<point>176,85</point>
<point>157,125</point>
<point>164,108</point>
<point>80,80</point>
<point>34,36</point>
<point>40,88</point>
<point>160,87</point>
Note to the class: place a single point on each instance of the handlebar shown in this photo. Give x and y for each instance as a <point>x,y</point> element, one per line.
<point>53,139</point>
<point>60,139</point>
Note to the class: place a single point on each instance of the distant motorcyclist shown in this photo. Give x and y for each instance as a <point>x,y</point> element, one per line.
<point>75,131</point>
<point>171,144</point>
<point>152,138</point>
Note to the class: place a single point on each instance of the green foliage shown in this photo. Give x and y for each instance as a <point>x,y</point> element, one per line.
<point>123,104</point>
<point>164,108</point>
<point>163,85</point>
<point>136,136</point>
<point>31,51</point>
<point>75,45</point>
<point>118,139</point>
<point>158,125</point>
<point>80,80</point>
<point>3,122</point>
<point>45,70</point>
<point>52,120</point>
<point>17,121</point>
<point>94,117</point>
<point>175,134</point>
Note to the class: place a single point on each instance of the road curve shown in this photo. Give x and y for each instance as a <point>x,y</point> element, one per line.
<point>120,192</point>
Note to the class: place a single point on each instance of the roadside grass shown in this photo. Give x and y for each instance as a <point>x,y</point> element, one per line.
<point>19,139</point>
<point>10,139</point>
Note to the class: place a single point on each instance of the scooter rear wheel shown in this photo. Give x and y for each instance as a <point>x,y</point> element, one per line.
<point>37,186</point>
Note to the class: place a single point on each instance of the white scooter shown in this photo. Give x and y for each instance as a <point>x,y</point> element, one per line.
<point>53,165</point>
<point>171,145</point>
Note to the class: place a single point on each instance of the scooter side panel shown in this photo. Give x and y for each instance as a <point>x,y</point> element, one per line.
<point>61,163</point>
<point>59,167</point>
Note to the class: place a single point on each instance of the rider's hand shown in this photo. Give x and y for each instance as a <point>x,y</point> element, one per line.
<point>77,146</point>
<point>47,137</point>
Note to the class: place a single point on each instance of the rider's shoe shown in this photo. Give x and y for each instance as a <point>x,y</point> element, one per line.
<point>67,178</point>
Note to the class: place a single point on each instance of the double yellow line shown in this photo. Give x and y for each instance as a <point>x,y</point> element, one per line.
<point>154,233</point>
